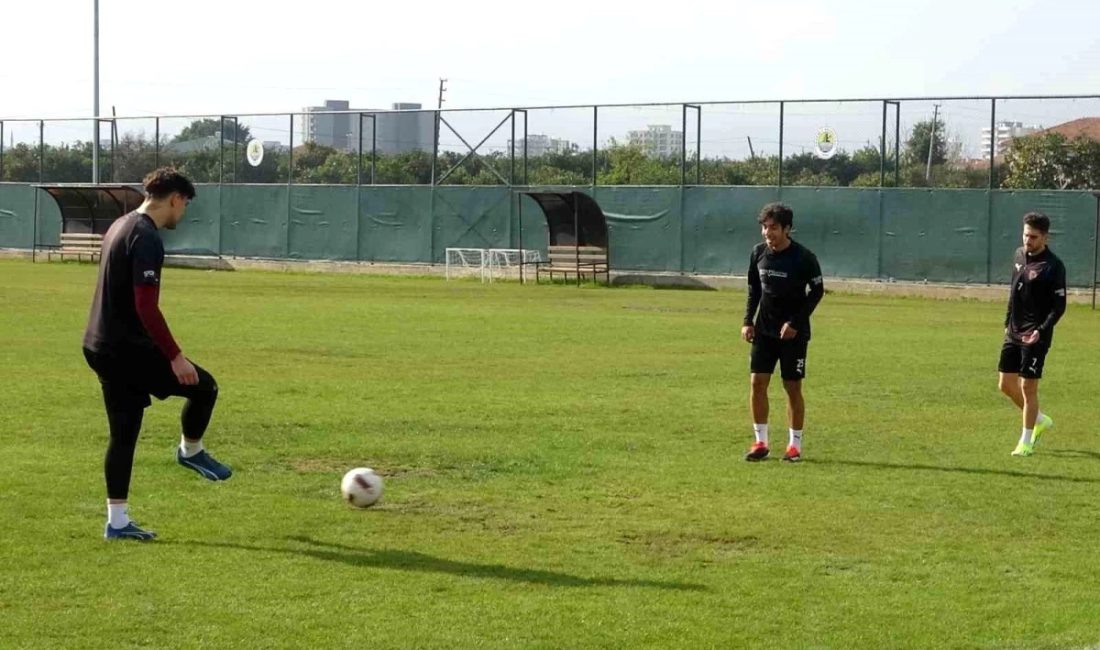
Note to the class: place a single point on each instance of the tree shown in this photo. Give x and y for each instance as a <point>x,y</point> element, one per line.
<point>916,147</point>
<point>209,127</point>
<point>629,165</point>
<point>1051,161</point>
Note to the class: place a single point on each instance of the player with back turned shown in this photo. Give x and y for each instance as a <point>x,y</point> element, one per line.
<point>129,346</point>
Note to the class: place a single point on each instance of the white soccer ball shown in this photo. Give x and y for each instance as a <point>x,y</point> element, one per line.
<point>362,488</point>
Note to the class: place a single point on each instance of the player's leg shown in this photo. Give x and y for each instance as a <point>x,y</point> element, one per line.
<point>1030,372</point>
<point>1029,388</point>
<point>118,464</point>
<point>793,368</point>
<point>765,354</point>
<point>194,418</point>
<point>125,406</point>
<point>1034,422</point>
<point>1009,384</point>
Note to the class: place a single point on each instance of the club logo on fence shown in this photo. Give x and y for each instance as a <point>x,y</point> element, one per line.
<point>825,146</point>
<point>255,153</point>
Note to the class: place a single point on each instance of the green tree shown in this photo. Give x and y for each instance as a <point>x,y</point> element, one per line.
<point>1051,161</point>
<point>629,165</point>
<point>916,147</point>
<point>209,127</point>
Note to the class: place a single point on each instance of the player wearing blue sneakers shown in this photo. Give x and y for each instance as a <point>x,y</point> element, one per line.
<point>128,345</point>
<point>1036,302</point>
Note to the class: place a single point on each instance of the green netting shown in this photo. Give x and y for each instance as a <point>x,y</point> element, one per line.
<point>17,215</point>
<point>644,227</point>
<point>254,220</point>
<point>200,231</point>
<point>939,235</point>
<point>935,235</point>
<point>470,217</point>
<point>395,224</point>
<point>721,228</point>
<point>324,223</point>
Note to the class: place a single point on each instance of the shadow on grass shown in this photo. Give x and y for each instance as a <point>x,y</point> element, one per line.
<point>962,470</point>
<point>1075,453</point>
<point>413,561</point>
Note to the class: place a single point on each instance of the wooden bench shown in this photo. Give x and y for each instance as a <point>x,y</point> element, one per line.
<point>576,260</point>
<point>80,244</point>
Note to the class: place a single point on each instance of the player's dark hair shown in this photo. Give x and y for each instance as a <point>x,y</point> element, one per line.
<point>777,212</point>
<point>161,183</point>
<point>1038,221</point>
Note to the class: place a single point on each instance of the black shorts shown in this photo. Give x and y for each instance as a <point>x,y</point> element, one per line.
<point>791,355</point>
<point>1025,360</point>
<point>130,377</point>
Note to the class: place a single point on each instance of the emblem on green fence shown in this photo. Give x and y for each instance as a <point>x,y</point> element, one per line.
<point>826,145</point>
<point>255,153</point>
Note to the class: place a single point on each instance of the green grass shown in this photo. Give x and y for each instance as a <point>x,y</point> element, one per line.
<point>563,470</point>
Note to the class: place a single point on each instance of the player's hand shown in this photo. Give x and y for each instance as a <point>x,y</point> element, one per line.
<point>184,371</point>
<point>748,333</point>
<point>787,332</point>
<point>1030,338</point>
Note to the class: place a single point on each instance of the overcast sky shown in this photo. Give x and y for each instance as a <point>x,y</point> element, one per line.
<point>241,56</point>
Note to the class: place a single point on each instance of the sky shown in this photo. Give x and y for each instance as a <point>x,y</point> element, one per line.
<point>244,56</point>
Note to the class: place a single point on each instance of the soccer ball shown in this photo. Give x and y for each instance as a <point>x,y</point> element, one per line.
<point>362,488</point>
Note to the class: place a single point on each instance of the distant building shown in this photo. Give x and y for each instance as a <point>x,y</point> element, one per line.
<point>540,145</point>
<point>657,140</point>
<point>323,126</point>
<point>1005,132</point>
<point>336,124</point>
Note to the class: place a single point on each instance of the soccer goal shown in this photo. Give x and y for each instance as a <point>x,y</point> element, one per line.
<point>467,262</point>
<point>504,262</point>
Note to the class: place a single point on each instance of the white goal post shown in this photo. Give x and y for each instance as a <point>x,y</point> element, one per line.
<point>467,262</point>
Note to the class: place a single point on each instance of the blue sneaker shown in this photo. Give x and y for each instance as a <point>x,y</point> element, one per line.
<point>205,465</point>
<point>129,531</point>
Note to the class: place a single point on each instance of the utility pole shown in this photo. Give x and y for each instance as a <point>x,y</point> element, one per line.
<point>931,143</point>
<point>438,115</point>
<point>442,89</point>
<point>95,93</point>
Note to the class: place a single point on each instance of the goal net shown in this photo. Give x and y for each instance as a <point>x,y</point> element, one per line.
<point>467,262</point>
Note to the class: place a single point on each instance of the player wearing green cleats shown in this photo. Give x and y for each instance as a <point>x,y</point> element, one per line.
<point>1042,425</point>
<point>1036,302</point>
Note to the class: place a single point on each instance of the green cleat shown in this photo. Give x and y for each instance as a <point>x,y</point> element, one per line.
<point>1023,449</point>
<point>1042,426</point>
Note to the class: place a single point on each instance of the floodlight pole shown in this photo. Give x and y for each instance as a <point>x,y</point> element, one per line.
<point>95,93</point>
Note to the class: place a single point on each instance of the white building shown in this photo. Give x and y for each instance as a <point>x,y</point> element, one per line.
<point>540,145</point>
<point>657,140</point>
<point>1006,131</point>
<point>395,132</point>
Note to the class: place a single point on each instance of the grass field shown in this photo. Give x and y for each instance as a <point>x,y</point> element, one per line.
<point>563,470</point>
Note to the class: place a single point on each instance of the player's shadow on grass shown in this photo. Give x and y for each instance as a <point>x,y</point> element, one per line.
<point>962,470</point>
<point>413,561</point>
<point>1074,453</point>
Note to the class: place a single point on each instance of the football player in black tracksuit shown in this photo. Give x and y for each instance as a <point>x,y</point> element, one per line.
<point>785,286</point>
<point>1036,301</point>
<point>129,346</point>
